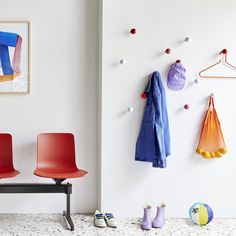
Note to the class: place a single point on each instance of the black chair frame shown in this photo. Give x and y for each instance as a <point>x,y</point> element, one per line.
<point>58,187</point>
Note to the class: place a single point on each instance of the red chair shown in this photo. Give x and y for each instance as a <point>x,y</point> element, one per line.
<point>56,160</point>
<point>56,157</point>
<point>7,169</point>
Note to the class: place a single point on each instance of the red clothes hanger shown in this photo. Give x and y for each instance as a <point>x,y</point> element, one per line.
<point>223,60</point>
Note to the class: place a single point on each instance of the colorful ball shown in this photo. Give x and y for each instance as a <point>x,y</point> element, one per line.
<point>201,213</point>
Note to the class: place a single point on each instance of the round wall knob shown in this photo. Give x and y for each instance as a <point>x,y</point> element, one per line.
<point>212,95</point>
<point>130,109</point>
<point>178,61</point>
<point>143,95</point>
<point>168,51</point>
<point>133,31</point>
<point>187,39</point>
<point>122,61</point>
<point>186,106</point>
<point>224,51</point>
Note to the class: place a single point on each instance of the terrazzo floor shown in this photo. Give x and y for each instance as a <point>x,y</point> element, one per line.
<point>54,224</point>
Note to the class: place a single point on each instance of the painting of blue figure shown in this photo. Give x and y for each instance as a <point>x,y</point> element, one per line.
<point>14,57</point>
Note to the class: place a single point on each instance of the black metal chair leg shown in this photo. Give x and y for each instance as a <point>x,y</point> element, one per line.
<point>69,220</point>
<point>66,213</point>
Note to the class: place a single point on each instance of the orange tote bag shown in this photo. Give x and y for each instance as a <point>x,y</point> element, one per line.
<point>211,143</point>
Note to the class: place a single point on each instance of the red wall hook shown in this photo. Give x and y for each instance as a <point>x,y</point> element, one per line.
<point>143,95</point>
<point>186,106</point>
<point>178,61</point>
<point>168,51</point>
<point>133,31</point>
<point>224,51</point>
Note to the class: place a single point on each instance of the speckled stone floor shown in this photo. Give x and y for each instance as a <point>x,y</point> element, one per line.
<point>54,224</point>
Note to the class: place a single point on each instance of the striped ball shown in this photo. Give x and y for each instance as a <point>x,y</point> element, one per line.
<point>201,213</point>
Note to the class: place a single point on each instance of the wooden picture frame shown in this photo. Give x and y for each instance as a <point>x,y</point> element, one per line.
<point>15,57</point>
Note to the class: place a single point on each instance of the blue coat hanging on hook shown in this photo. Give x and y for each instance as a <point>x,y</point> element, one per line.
<point>153,143</point>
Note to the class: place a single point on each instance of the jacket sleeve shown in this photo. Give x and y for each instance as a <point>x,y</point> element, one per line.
<point>161,123</point>
<point>165,120</point>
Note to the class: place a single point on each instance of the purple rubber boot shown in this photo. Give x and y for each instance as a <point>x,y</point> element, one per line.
<point>159,220</point>
<point>146,222</point>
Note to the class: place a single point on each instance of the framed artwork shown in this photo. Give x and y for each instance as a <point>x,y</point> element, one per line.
<point>14,57</point>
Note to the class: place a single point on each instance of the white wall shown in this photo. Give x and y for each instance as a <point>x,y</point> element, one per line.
<point>63,98</point>
<point>127,185</point>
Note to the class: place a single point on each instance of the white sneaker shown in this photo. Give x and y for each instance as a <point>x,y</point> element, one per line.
<point>99,219</point>
<point>110,220</point>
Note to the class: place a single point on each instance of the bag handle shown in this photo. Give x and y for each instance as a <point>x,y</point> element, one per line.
<point>211,107</point>
<point>211,103</point>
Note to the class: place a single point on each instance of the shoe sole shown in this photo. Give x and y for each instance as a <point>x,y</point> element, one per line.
<point>100,226</point>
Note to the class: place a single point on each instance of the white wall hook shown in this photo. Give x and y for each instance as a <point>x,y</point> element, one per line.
<point>212,95</point>
<point>122,61</point>
<point>130,109</point>
<point>187,39</point>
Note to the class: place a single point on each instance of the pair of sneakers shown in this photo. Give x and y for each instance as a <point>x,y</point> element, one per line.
<point>103,220</point>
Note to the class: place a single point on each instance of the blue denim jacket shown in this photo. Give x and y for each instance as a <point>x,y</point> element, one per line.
<point>153,143</point>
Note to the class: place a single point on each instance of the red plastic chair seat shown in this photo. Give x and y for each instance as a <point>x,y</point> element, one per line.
<point>7,169</point>
<point>56,157</point>
<point>9,174</point>
<point>60,175</point>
